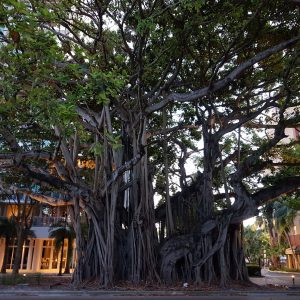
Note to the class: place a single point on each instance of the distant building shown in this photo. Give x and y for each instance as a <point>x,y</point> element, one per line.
<point>293,253</point>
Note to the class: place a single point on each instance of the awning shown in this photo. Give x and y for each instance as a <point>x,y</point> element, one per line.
<point>295,250</point>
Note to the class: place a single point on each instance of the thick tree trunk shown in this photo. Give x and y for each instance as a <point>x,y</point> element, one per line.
<point>275,261</point>
<point>196,258</point>
<point>95,257</point>
<point>139,238</point>
<point>169,214</point>
<point>213,253</point>
<point>142,239</point>
<point>77,278</point>
<point>203,260</point>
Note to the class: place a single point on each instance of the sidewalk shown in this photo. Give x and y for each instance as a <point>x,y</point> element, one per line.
<point>277,278</point>
<point>102,294</point>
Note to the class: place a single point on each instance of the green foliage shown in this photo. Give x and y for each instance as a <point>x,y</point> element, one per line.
<point>145,25</point>
<point>193,5</point>
<point>256,243</point>
<point>254,270</point>
<point>56,74</point>
<point>103,86</point>
<point>97,149</point>
<point>113,140</point>
<point>7,228</point>
<point>58,57</point>
<point>293,202</point>
<point>16,279</point>
<point>13,279</point>
<point>60,231</point>
<point>283,215</point>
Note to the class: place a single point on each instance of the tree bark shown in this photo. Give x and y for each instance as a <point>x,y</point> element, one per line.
<point>69,256</point>
<point>18,254</point>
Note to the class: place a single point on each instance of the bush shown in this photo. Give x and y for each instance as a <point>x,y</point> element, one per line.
<point>291,270</point>
<point>35,278</point>
<point>14,279</point>
<point>11,279</point>
<point>254,270</point>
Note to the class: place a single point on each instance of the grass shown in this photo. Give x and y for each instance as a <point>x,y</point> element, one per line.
<point>286,269</point>
<point>14,279</point>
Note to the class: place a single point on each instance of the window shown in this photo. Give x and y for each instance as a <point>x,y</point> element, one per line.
<point>46,254</point>
<point>50,256</point>
<point>12,253</point>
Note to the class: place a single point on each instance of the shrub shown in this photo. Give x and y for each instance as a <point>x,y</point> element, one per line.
<point>254,270</point>
<point>291,270</point>
<point>11,279</point>
<point>35,278</point>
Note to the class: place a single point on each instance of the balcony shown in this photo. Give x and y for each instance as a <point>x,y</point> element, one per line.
<point>295,240</point>
<point>46,221</point>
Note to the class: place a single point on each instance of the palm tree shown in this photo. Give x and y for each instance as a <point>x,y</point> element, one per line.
<point>9,232</point>
<point>275,245</point>
<point>284,216</point>
<point>23,222</point>
<point>61,231</point>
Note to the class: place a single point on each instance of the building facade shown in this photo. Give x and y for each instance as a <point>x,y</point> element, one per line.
<point>39,254</point>
<point>293,253</point>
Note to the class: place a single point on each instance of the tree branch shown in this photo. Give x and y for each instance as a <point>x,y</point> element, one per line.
<point>284,186</point>
<point>191,96</point>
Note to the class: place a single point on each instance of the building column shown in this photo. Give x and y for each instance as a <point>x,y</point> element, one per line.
<point>36,260</point>
<point>2,249</point>
<point>30,255</point>
<point>290,261</point>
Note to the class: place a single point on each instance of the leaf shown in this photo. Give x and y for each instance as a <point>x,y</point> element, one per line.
<point>96,149</point>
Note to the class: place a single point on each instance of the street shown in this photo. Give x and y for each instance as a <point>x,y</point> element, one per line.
<point>88,296</point>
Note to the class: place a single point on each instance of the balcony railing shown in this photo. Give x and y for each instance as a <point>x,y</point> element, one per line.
<point>46,221</point>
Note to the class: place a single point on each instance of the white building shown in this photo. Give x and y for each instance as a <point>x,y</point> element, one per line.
<point>39,254</point>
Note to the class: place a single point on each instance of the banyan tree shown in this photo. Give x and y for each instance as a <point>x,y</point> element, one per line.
<point>105,102</point>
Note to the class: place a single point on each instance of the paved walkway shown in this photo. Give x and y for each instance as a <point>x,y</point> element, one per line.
<point>277,278</point>
<point>149,295</point>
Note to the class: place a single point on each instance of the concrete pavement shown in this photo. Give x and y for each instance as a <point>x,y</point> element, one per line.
<point>277,278</point>
<point>242,297</point>
<point>154,295</point>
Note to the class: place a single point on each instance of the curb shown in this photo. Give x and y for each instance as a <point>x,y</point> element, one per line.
<point>24,292</point>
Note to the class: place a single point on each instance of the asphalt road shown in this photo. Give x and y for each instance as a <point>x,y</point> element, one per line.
<point>177,297</point>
